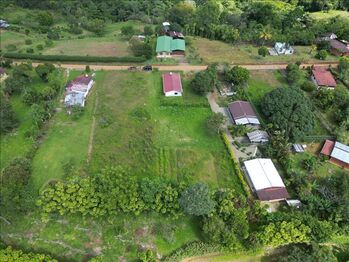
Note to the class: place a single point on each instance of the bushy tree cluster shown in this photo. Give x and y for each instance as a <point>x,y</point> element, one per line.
<point>237,75</point>
<point>8,119</point>
<point>290,111</point>
<point>10,254</point>
<point>205,81</point>
<point>111,191</point>
<point>228,224</point>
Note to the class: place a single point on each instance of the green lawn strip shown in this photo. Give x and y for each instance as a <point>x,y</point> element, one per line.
<point>65,143</point>
<point>320,15</point>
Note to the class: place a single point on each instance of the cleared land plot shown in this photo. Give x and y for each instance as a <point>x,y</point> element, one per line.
<point>134,130</point>
<point>110,44</point>
<point>65,145</point>
<point>216,51</point>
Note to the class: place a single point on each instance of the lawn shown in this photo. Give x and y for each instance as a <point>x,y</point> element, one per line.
<point>65,145</point>
<point>216,51</point>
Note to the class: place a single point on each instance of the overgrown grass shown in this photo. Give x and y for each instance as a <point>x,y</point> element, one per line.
<point>216,51</point>
<point>322,15</point>
<point>173,143</point>
<point>64,148</point>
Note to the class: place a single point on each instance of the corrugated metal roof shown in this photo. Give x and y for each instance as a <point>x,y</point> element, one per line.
<point>243,113</point>
<point>171,82</point>
<point>163,44</point>
<point>168,44</point>
<point>341,152</point>
<point>258,136</point>
<point>263,173</point>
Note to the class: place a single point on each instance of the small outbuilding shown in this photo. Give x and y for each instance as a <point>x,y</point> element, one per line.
<point>172,85</point>
<point>281,49</point>
<point>243,113</point>
<point>258,136</point>
<point>265,180</point>
<point>4,24</point>
<point>298,148</point>
<point>339,47</point>
<point>337,152</point>
<point>323,78</point>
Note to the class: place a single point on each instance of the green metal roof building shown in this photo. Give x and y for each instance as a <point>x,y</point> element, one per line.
<point>168,44</point>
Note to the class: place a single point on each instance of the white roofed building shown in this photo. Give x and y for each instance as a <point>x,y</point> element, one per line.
<point>265,180</point>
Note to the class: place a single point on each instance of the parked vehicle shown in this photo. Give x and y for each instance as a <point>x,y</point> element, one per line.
<point>147,68</point>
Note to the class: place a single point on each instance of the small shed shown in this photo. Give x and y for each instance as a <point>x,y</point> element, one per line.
<point>339,47</point>
<point>258,136</point>
<point>298,148</point>
<point>283,48</point>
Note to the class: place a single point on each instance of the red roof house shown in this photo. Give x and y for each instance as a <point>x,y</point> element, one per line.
<point>172,85</point>
<point>337,152</point>
<point>323,78</point>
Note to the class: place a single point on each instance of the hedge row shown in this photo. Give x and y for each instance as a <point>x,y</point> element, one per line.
<point>236,166</point>
<point>192,249</point>
<point>65,58</point>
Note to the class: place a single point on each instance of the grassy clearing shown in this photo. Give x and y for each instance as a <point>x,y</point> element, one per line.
<point>173,144</point>
<point>111,44</point>
<point>65,144</point>
<point>321,15</point>
<point>216,51</point>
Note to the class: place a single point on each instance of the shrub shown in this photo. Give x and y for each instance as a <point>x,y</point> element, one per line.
<point>40,47</point>
<point>30,50</point>
<point>11,47</point>
<point>322,54</point>
<point>28,41</point>
<point>308,86</point>
<point>49,43</point>
<point>26,31</point>
<point>53,35</point>
<point>263,51</point>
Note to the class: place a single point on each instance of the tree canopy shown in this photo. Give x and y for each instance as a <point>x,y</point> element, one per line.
<point>287,109</point>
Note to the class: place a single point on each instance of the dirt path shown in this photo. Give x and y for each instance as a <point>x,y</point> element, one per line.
<point>183,67</point>
<point>92,132</point>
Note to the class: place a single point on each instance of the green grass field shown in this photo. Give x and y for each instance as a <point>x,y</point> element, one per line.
<point>216,51</point>
<point>173,144</point>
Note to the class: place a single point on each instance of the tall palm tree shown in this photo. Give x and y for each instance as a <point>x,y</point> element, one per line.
<point>265,35</point>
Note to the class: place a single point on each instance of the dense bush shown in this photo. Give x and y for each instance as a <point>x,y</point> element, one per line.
<point>10,254</point>
<point>28,41</point>
<point>8,119</point>
<point>40,47</point>
<point>11,47</point>
<point>192,249</point>
<point>308,86</point>
<point>30,50</point>
<point>63,58</point>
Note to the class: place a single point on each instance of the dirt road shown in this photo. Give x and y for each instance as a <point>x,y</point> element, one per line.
<point>182,67</point>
